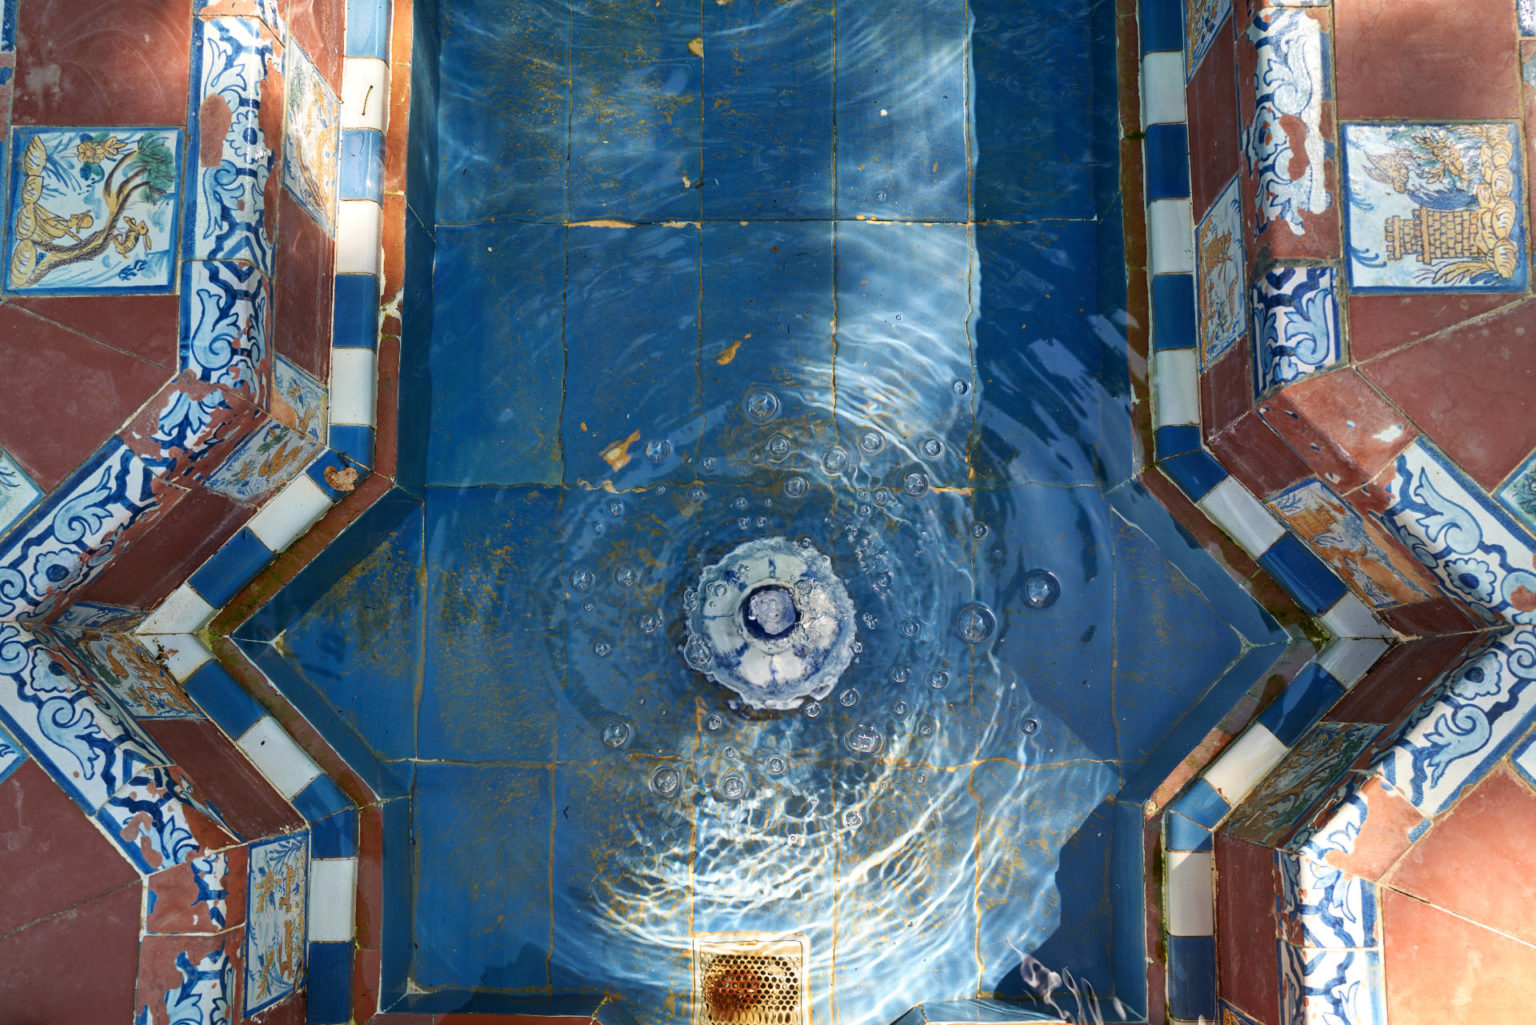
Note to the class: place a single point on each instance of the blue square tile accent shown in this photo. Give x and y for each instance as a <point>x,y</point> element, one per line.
<point>1201,803</point>
<point>355,312</point>
<point>1304,576</point>
<point>231,568</point>
<point>1195,472</point>
<point>1300,704</point>
<point>332,461</point>
<point>1173,312</point>
<point>320,800</point>
<point>1192,977</point>
<point>1162,25</point>
<point>368,29</point>
<point>334,836</point>
<point>354,441</point>
<point>1182,834</point>
<point>223,699</point>
<point>330,984</point>
<point>362,164</point>
<point>1167,153</point>
<point>1177,439</point>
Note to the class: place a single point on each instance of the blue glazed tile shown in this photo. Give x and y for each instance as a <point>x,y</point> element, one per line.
<point>353,441</point>
<point>1173,312</point>
<point>355,312</point>
<point>1167,155</point>
<point>1176,440</point>
<point>1182,834</point>
<point>1127,869</point>
<point>1304,576</point>
<point>321,799</point>
<point>1196,473</point>
<point>1162,25</point>
<point>1201,803</point>
<point>1084,881</point>
<point>329,984</point>
<point>231,568</point>
<point>336,473</point>
<point>1295,325</point>
<point>368,29</point>
<point>497,368</point>
<point>362,164</point>
<point>7,28</point>
<point>334,836</point>
<point>223,699</point>
<point>1192,977</point>
<point>1309,695</point>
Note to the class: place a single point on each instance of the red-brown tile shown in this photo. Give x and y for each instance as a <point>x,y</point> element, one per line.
<point>160,975</point>
<point>1339,425</point>
<point>402,28</point>
<point>1383,837</point>
<point>1226,388</point>
<point>1469,389</point>
<point>101,937</point>
<point>1380,323</point>
<point>386,436</point>
<point>1397,680</point>
<point>270,120</point>
<point>291,1010</point>
<point>393,244</point>
<point>145,325</point>
<point>87,390</point>
<point>82,62</point>
<point>1440,615</point>
<point>397,128</point>
<point>175,905</point>
<point>1246,927</point>
<point>1441,969</point>
<point>1257,456</point>
<point>1417,61</point>
<point>1213,122</point>
<point>365,983</point>
<point>317,25</point>
<point>52,857</point>
<point>223,777</point>
<point>370,877</point>
<point>181,541</point>
<point>301,292</point>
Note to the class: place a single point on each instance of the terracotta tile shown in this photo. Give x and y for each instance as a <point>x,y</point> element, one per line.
<point>141,577</point>
<point>1339,425</point>
<point>1256,455</point>
<point>1379,323</point>
<point>370,878</point>
<point>302,287</point>
<point>1246,928</point>
<point>270,121</point>
<point>317,26</point>
<point>76,66</point>
<point>53,856</point>
<point>222,776</point>
<point>145,325</point>
<point>1385,834</point>
<point>103,934</point>
<point>396,129</point>
<point>1469,389</point>
<point>176,905</point>
<point>1226,387</point>
<point>393,243</point>
<point>88,390</point>
<point>1213,122</point>
<point>291,1010</point>
<point>1486,977</point>
<point>386,437</point>
<point>365,984</point>
<point>1396,681</point>
<point>1418,61</point>
<point>1440,615</point>
<point>401,31</point>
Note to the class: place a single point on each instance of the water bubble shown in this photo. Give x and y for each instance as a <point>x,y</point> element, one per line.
<point>719,589</point>
<point>641,701</point>
<point>616,732</point>
<point>657,449</point>
<point>760,522</point>
<point>938,679</point>
<point>598,528</point>
<point>648,622</point>
<point>626,576</point>
<point>975,623</point>
<point>696,496</point>
<point>740,502</point>
<point>615,508</point>
<point>776,766</point>
<point>871,441</point>
<point>812,709</point>
<point>805,542</point>
<point>933,448</point>
<point>707,464</point>
<point>760,406</point>
<point>909,627</point>
<point>690,600</point>
<point>864,738</point>
<point>853,818</point>
<point>795,487</point>
<point>901,674</point>
<point>730,753</point>
<point>882,497</point>
<point>922,777</point>
<point>666,781</point>
<point>915,483</point>
<point>583,579</point>
<point>864,510</point>
<point>925,728</point>
<point>1029,724</point>
<point>777,448</point>
<point>713,722</point>
<point>853,646</point>
<point>871,621</point>
<point>698,653</point>
<point>978,530</point>
<point>848,698</point>
<point>961,387</point>
<point>590,605</point>
<point>900,708</point>
<point>1041,589</point>
<point>862,494</point>
<point>602,648</point>
<point>744,522</point>
<point>732,787</point>
<point>836,460</point>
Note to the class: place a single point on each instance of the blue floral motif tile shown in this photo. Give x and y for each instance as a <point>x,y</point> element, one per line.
<point>17,492</point>
<point>93,210</point>
<point>1291,82</point>
<point>277,894</point>
<point>1474,549</point>
<point>81,616</point>
<point>11,755</point>
<point>1518,494</point>
<point>1296,784</point>
<point>1331,987</point>
<point>1324,907</point>
<point>1295,325</point>
<point>311,137</point>
<point>205,991</point>
<point>1436,207</point>
<point>228,219</point>
<point>1202,19</point>
<point>145,687</point>
<point>226,326</point>
<point>298,400</point>
<point>1351,547</point>
<point>267,460</point>
<point>1219,273</point>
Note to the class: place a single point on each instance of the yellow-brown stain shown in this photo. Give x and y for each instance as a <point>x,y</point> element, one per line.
<point>729,354</point>
<point>602,222</point>
<point>696,46</point>
<point>617,455</point>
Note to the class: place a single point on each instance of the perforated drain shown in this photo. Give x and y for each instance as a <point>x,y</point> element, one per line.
<point>746,979</point>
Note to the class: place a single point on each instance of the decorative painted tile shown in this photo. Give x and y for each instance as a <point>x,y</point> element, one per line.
<point>93,210</point>
<point>205,894</point>
<point>1324,907</point>
<point>1435,206</point>
<point>1219,268</point>
<point>1232,1016</point>
<point>226,326</point>
<point>157,823</point>
<point>1382,576</point>
<point>266,10</point>
<point>1202,19</point>
<point>188,980</point>
<point>232,57</point>
<point>1524,760</point>
<point>145,687</point>
<point>275,938</point>
<point>1295,325</point>
<point>1330,987</point>
<point>17,492</point>
<point>1290,87</point>
<point>189,428</point>
<point>311,139</point>
<point>1295,785</point>
<point>11,755</point>
<point>266,461</point>
<point>1525,10</point>
<point>1472,547</point>
<point>298,400</point>
<point>82,616</point>
<point>1518,494</point>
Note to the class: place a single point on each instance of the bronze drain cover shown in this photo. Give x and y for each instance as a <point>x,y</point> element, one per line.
<point>744,979</point>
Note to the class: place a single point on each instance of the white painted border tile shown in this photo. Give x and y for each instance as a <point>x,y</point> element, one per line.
<point>1349,617</point>
<point>332,883</point>
<point>1175,387</point>
<point>289,513</point>
<point>1245,762</point>
<point>353,386</point>
<point>1170,237</point>
<point>284,763</point>
<point>1191,901</point>
<point>358,224</point>
<point>364,93</point>
<point>183,612</point>
<point>1348,659</point>
<point>1233,509</point>
<point>184,654</point>
<point>1162,88</point>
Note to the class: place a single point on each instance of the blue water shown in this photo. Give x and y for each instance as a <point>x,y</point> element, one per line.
<point>899,223</point>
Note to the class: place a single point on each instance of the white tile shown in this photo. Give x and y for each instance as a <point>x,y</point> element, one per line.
<point>183,612</point>
<point>1175,387</point>
<point>1170,237</point>
<point>332,885</point>
<point>1349,617</point>
<point>364,92</point>
<point>357,236</point>
<point>289,513</point>
<point>1348,659</point>
<point>1162,88</point>
<point>1246,760</point>
<point>1233,509</point>
<point>184,654</point>
<point>1191,904</point>
<point>353,386</point>
<point>282,761</point>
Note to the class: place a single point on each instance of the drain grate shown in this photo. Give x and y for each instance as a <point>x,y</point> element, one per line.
<point>749,980</point>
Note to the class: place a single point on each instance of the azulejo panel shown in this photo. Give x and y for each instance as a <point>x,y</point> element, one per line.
<point>275,928</point>
<point>1202,20</point>
<point>226,326</point>
<point>268,459</point>
<point>17,492</point>
<point>1290,86</point>
<point>1298,782</point>
<point>311,138</point>
<point>1331,987</point>
<point>145,687</point>
<point>93,210</point>
<point>1380,572</point>
<point>298,400</point>
<point>1435,207</point>
<point>1295,325</point>
<point>1219,273</point>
